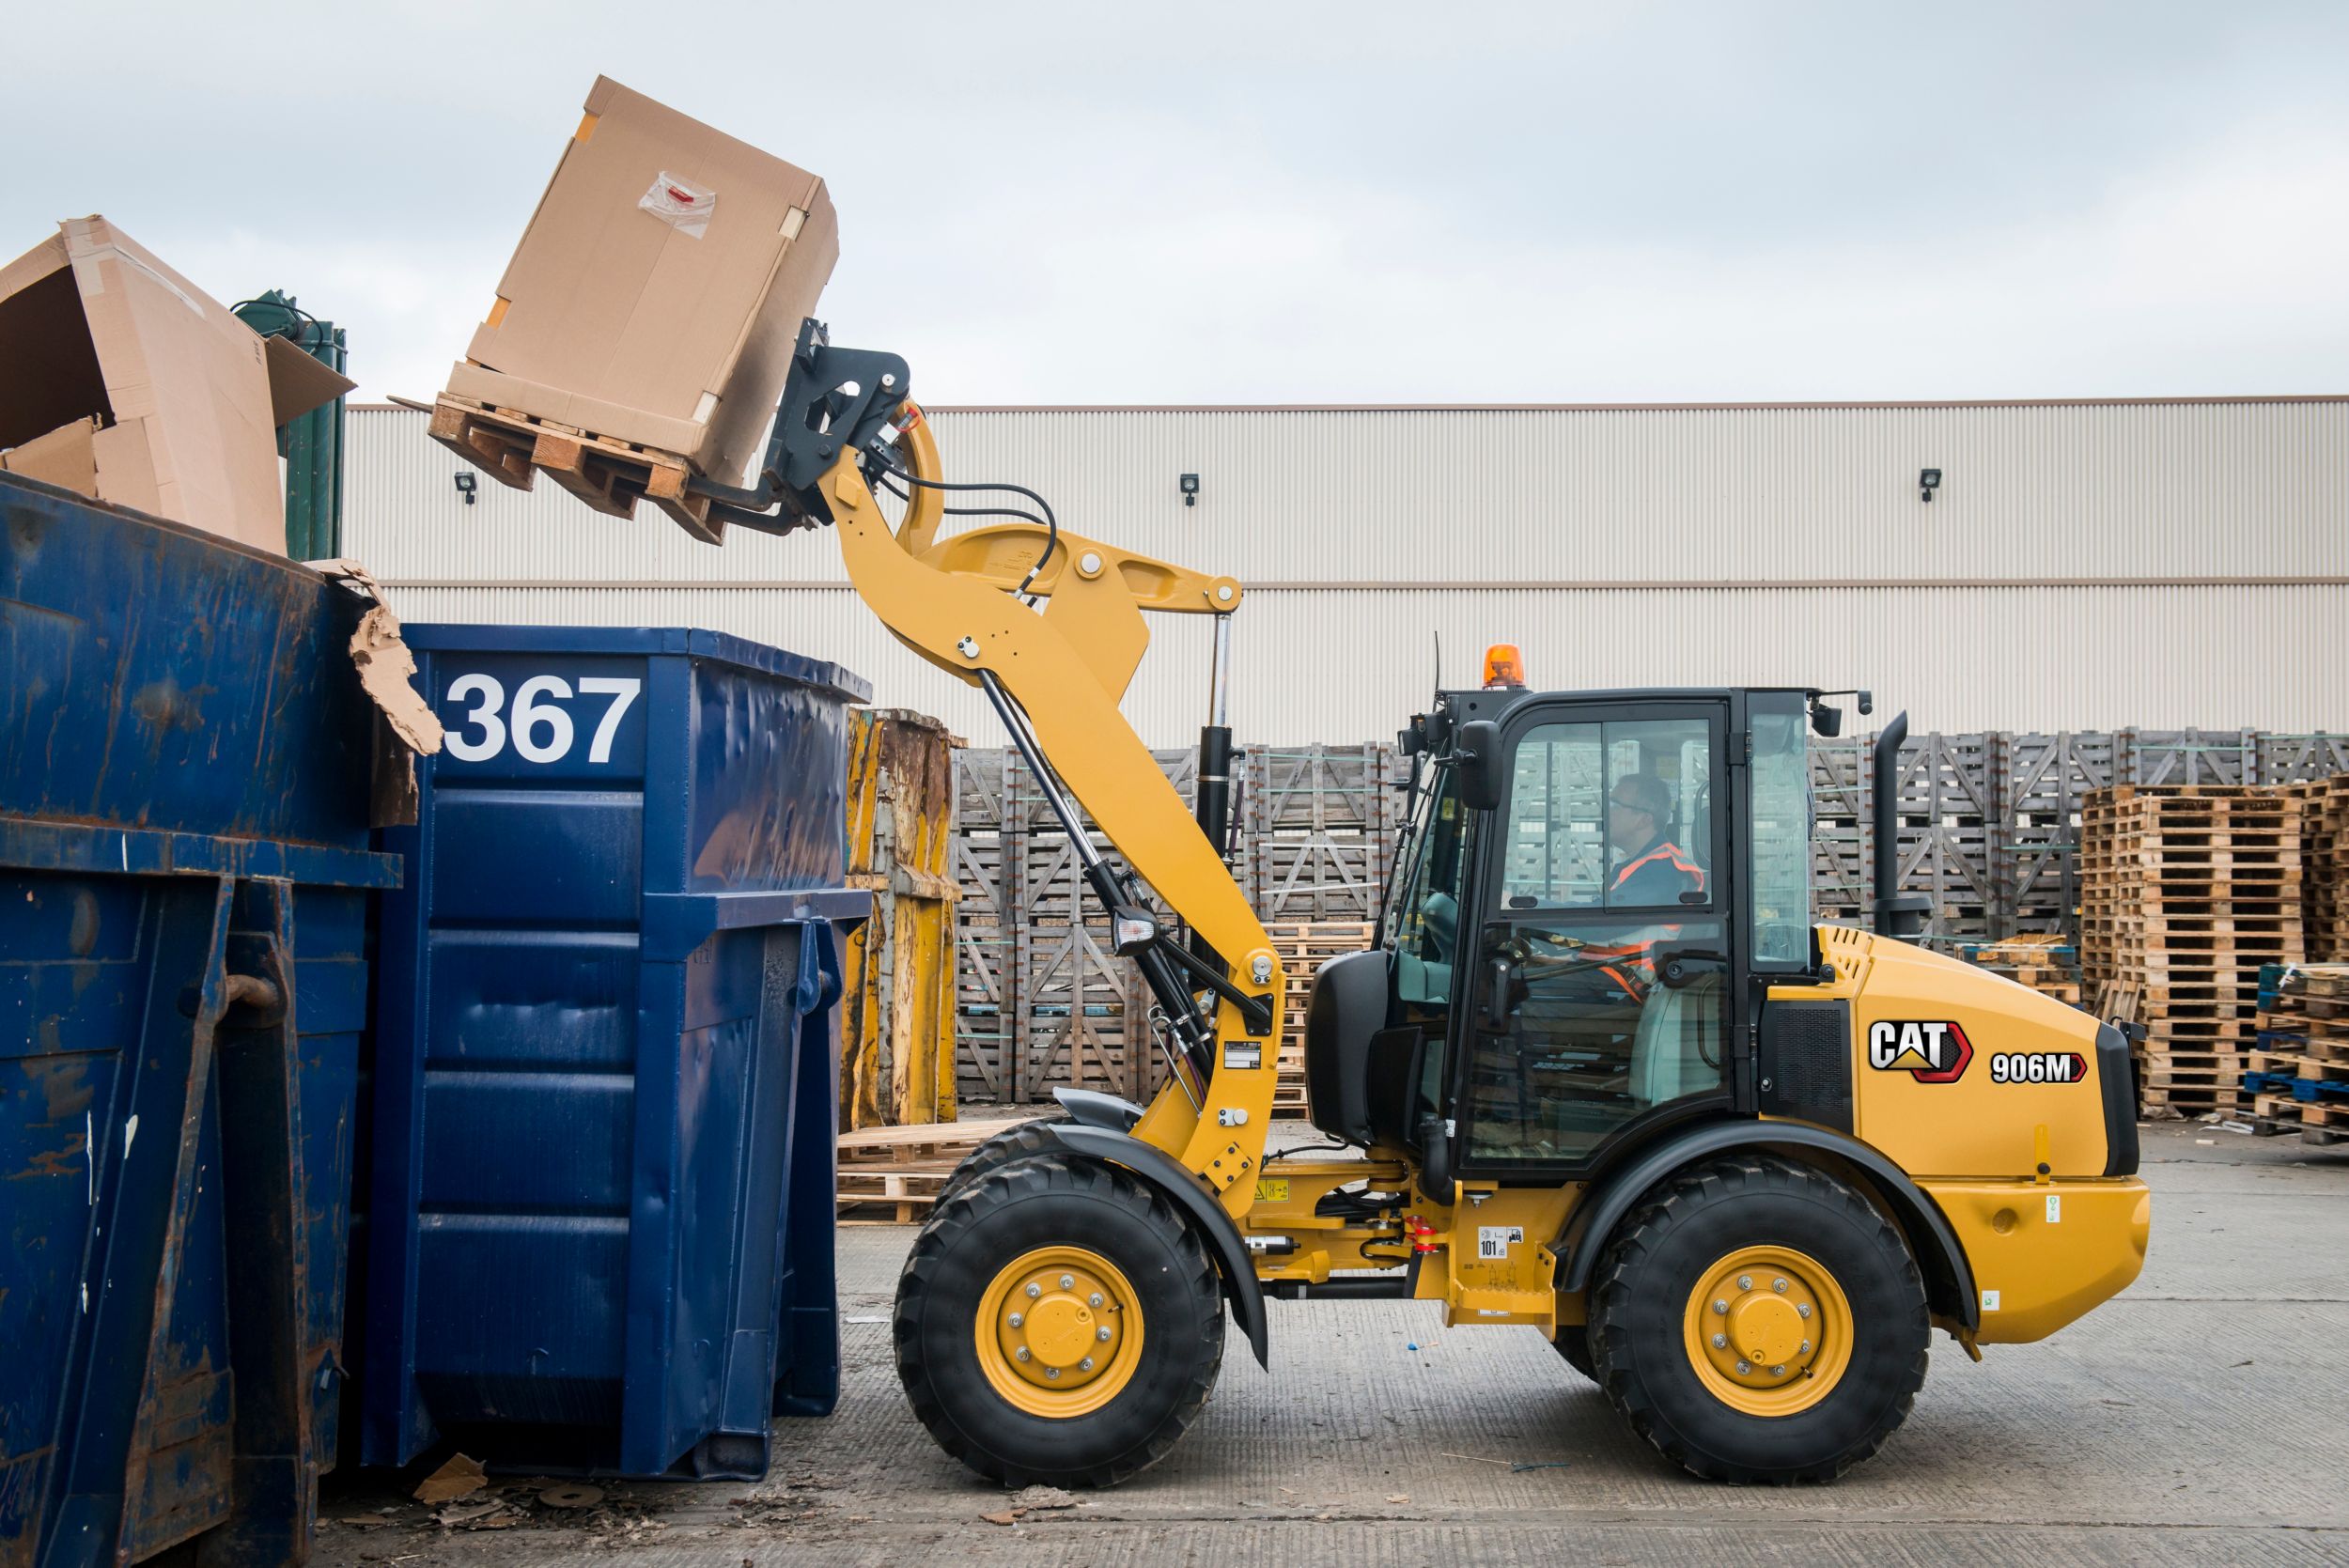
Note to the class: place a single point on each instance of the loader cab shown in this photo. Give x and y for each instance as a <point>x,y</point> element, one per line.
<point>1592,891</point>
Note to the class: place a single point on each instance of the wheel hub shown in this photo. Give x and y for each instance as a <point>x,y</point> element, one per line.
<point>1059,1331</point>
<point>1768,1331</point>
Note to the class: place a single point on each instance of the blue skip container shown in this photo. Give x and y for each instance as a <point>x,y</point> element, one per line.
<point>186,759</point>
<point>601,1227</point>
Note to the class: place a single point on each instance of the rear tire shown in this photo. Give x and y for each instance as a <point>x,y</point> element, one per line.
<point>1076,1230</point>
<point>1820,1292</point>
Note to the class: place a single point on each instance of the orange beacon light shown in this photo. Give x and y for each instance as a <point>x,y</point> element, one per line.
<point>1503,666</point>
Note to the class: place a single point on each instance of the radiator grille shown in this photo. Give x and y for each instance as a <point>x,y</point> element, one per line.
<point>1805,1062</point>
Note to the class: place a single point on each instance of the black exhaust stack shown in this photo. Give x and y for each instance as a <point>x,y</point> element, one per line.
<point>1895,913</point>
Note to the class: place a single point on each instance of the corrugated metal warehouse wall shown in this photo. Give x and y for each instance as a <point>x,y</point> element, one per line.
<point>2083,566</point>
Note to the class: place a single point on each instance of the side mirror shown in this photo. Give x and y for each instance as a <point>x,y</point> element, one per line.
<point>1476,754</point>
<point>1825,721</point>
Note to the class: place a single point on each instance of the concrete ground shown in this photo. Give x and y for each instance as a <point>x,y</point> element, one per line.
<point>2202,1416</point>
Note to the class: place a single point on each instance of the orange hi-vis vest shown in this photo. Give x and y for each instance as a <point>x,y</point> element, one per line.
<point>1666,851</point>
<point>1631,965</point>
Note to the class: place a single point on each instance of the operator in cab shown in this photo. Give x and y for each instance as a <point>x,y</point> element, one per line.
<point>1649,869</point>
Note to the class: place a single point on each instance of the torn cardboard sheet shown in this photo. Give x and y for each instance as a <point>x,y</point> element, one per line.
<point>121,380</point>
<point>387,672</point>
<point>461,1477</point>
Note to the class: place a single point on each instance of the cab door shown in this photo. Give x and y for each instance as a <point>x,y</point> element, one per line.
<point>1599,999</point>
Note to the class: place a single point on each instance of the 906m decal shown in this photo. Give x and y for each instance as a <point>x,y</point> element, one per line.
<point>1931,1053</point>
<point>2038,1066</point>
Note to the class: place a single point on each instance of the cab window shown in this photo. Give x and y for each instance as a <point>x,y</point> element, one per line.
<point>1612,815</point>
<point>1601,957</point>
<point>1780,882</point>
<point>1426,916</point>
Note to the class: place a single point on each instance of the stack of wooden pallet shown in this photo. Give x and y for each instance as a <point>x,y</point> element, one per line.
<point>891,1175</point>
<point>2186,892</point>
<point>2298,1080</point>
<point>1304,945</point>
<point>2042,960</point>
<point>2325,847</point>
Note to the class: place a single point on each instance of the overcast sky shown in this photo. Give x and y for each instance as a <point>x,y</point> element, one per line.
<point>1270,202</point>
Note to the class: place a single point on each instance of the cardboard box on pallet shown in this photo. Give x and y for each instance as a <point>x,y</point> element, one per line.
<point>656,295</point>
<point>121,380</point>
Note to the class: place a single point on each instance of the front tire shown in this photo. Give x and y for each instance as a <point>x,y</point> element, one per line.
<point>1099,1281</point>
<point>1014,1142</point>
<point>1758,1321</point>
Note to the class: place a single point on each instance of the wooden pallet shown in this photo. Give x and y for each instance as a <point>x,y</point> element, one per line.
<point>608,476</point>
<point>2041,962</point>
<point>1304,946</point>
<point>2187,893</point>
<point>2303,1036</point>
<point>892,1176</point>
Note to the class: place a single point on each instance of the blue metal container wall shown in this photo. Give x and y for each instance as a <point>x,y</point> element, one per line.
<point>157,678</point>
<point>182,715</point>
<point>604,1047</point>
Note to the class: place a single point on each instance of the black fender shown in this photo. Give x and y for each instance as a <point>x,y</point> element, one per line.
<point>1183,1189</point>
<point>1948,1278</point>
<point>1097,1109</point>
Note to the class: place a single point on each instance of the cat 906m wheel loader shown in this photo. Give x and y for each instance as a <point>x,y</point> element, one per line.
<point>1602,1078</point>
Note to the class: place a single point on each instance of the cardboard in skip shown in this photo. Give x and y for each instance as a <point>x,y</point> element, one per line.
<point>656,295</point>
<point>121,380</point>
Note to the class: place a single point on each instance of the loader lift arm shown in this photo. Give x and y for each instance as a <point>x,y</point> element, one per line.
<point>967,605</point>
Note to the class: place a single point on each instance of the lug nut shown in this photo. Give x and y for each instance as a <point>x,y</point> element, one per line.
<point>1778,1286</point>
<point>1020,1354</point>
<point>1035,1291</point>
<point>1745,1282</point>
<point>1052,1372</point>
<point>1086,1365</point>
<point>1804,1348</point>
<point>1777,1371</point>
<point>1722,1306</point>
<point>1802,1309</point>
<point>1017,1319</point>
<point>1745,1369</point>
<point>1720,1342</point>
<point>1102,1334</point>
<point>1093,1300</point>
<point>1067,1282</point>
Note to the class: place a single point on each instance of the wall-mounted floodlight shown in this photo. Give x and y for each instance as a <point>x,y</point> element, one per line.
<point>1928,481</point>
<point>1190,490</point>
<point>465,486</point>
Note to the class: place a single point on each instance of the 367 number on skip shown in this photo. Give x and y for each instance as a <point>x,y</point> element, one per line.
<point>540,730</point>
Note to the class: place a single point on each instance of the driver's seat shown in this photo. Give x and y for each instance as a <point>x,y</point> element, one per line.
<point>1679,1028</point>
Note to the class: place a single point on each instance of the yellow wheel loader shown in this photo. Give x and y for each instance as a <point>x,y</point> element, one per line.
<point>1603,1077</point>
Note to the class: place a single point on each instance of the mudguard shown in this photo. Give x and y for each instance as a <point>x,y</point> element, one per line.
<point>1948,1278</point>
<point>1160,1169</point>
<point>1097,1109</point>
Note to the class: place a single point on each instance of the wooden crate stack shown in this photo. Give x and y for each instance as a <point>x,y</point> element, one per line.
<point>2299,1078</point>
<point>2042,961</point>
<point>2186,892</point>
<point>1304,945</point>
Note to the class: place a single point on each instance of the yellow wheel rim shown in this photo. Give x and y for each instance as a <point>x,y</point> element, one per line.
<point>1059,1333</point>
<point>1770,1331</point>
